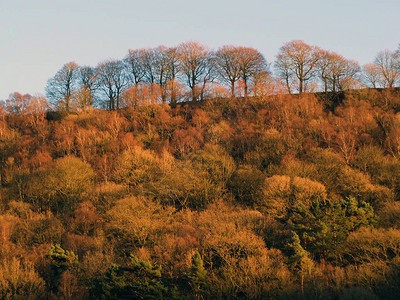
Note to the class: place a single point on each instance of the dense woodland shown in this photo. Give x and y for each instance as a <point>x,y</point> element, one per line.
<point>269,196</point>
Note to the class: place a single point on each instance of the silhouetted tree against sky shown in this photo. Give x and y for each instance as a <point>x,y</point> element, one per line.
<point>165,68</point>
<point>87,81</point>
<point>113,79</point>
<point>135,65</point>
<point>227,66</point>
<point>164,74</point>
<point>59,88</point>
<point>195,66</point>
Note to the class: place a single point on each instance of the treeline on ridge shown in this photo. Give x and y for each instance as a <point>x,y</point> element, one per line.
<point>192,71</point>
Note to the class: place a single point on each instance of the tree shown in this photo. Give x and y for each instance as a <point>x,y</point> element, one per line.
<point>297,61</point>
<point>388,64</point>
<point>135,65</point>
<point>140,280</point>
<point>372,75</point>
<point>135,166</point>
<point>251,63</point>
<point>33,107</point>
<point>173,66</point>
<point>112,80</point>
<point>20,280</point>
<point>197,275</point>
<point>299,259</point>
<point>335,71</point>
<point>161,66</point>
<point>325,225</point>
<point>87,81</point>
<point>59,88</point>
<point>8,145</point>
<point>283,68</point>
<point>60,261</point>
<point>227,66</point>
<point>195,66</point>
<point>59,188</point>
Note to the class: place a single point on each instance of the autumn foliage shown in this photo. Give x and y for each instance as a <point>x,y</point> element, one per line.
<point>268,196</point>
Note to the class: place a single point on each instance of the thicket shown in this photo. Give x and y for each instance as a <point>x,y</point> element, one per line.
<point>279,197</point>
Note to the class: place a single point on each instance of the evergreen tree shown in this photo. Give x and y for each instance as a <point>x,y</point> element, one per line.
<point>197,276</point>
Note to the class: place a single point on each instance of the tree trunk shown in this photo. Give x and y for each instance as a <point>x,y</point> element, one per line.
<point>233,89</point>
<point>301,86</point>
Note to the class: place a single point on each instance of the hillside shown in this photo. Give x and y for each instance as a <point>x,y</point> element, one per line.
<point>286,196</point>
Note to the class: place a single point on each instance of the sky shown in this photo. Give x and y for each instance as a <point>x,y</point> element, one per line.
<point>38,37</point>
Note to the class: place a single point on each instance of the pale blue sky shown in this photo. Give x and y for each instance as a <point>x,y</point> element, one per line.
<point>38,36</point>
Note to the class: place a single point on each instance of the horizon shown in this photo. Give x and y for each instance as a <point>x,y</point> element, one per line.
<point>40,37</point>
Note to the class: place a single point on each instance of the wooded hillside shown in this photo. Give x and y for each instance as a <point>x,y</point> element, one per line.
<point>281,196</point>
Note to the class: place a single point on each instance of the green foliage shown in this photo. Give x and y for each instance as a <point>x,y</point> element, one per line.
<point>197,276</point>
<point>299,259</point>
<point>60,258</point>
<point>140,280</point>
<point>325,225</point>
<point>60,261</point>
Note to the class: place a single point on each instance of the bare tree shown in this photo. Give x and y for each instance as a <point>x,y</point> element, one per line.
<point>113,79</point>
<point>59,88</point>
<point>154,66</point>
<point>372,75</point>
<point>297,61</point>
<point>135,65</point>
<point>165,68</point>
<point>195,66</point>
<point>284,71</point>
<point>324,67</point>
<point>228,68</point>
<point>388,63</point>
<point>173,66</point>
<point>251,63</point>
<point>87,81</point>
<point>335,71</point>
